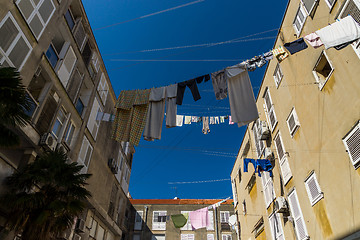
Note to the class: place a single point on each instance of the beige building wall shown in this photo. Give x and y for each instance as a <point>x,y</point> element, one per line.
<point>325,117</point>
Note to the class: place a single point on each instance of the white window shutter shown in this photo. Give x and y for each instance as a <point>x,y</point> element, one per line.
<point>268,188</point>
<point>210,220</point>
<point>293,122</point>
<point>92,124</point>
<point>279,146</point>
<point>313,189</point>
<point>270,112</point>
<point>80,35</point>
<point>285,170</point>
<point>309,5</point>
<point>67,66</point>
<point>95,61</point>
<point>352,144</point>
<point>300,227</point>
<point>103,88</point>
<point>233,185</point>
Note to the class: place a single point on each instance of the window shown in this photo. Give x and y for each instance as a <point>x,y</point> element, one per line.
<point>268,188</point>
<point>67,65</point>
<point>352,8</point>
<point>278,75</point>
<point>188,223</point>
<point>259,144</point>
<point>103,88</point>
<point>330,3</point>
<point>309,5</point>
<point>210,236</point>
<point>313,189</point>
<point>80,36</point>
<point>138,220</point>
<point>37,14</point>
<point>293,122</point>
<point>120,164</point>
<point>59,123</point>
<point>100,232</point>
<point>259,227</point>
<point>233,185</point>
<point>269,110</point>
<point>322,70</point>
<point>69,134</point>
<point>299,20</point>
<point>52,56</point>
<point>226,237</point>
<point>283,160</point>
<point>244,207</point>
<point>136,237</point>
<point>125,181</point>
<point>69,19</point>
<point>158,237</point>
<point>187,237</point>
<point>93,227</point>
<point>276,227</point>
<point>210,221</point>
<point>224,216</point>
<point>296,213</point>
<point>85,154</point>
<point>159,220</point>
<point>79,106</point>
<point>352,144</point>
<point>14,47</point>
<point>93,124</point>
<point>251,183</point>
<point>33,105</point>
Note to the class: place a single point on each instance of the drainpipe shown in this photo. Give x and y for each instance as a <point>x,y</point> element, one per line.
<point>216,225</point>
<point>144,223</point>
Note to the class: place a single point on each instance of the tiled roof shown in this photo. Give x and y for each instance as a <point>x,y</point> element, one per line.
<point>179,201</point>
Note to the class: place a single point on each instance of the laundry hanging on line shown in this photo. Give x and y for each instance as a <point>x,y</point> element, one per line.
<point>259,165</point>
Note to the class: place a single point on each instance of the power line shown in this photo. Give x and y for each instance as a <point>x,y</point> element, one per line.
<point>205,181</point>
<point>175,60</point>
<point>151,14</point>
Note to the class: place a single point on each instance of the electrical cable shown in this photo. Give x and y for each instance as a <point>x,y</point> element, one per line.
<point>204,181</point>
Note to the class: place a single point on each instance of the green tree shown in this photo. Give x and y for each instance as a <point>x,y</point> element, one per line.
<point>14,103</point>
<point>44,197</point>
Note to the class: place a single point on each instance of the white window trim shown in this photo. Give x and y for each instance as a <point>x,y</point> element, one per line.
<point>278,75</point>
<point>271,109</point>
<point>259,144</point>
<point>298,31</point>
<point>63,124</point>
<point>329,5</point>
<point>280,234</point>
<point>297,122</point>
<point>320,196</point>
<point>321,85</point>
<point>20,34</point>
<point>36,12</point>
<point>227,236</point>
<point>266,184</point>
<point>226,216</point>
<point>284,160</point>
<point>356,128</point>
<point>83,161</point>
<point>67,132</point>
<point>312,8</point>
<point>161,225</point>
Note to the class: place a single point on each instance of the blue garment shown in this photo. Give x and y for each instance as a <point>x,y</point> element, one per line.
<point>247,161</point>
<point>296,46</point>
<point>264,165</point>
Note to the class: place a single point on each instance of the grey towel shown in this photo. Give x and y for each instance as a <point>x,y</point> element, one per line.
<point>171,107</point>
<point>219,84</point>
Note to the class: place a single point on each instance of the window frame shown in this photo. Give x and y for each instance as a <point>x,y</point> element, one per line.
<point>71,126</point>
<point>269,110</point>
<point>227,236</point>
<point>267,182</point>
<point>187,236</point>
<point>57,55</point>
<point>354,130</point>
<point>278,75</point>
<point>317,79</point>
<point>312,176</point>
<point>279,235</point>
<point>161,225</point>
<point>72,18</point>
<point>283,160</point>
<point>36,12</point>
<point>5,55</point>
<point>62,124</point>
<point>296,120</point>
<point>303,11</point>
<point>300,217</point>
<point>312,7</point>
<point>329,5</point>
<point>224,216</point>
<point>85,161</point>
<point>187,226</point>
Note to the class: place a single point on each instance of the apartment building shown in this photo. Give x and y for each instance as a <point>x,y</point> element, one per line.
<point>52,45</point>
<point>309,128</point>
<point>150,220</point>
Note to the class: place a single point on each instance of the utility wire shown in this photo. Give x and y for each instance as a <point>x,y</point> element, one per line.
<point>205,181</point>
<point>151,14</point>
<point>174,60</point>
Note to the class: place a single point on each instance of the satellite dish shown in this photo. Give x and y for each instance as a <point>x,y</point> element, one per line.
<point>232,220</point>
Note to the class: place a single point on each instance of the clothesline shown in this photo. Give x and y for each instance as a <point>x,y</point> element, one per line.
<point>206,181</point>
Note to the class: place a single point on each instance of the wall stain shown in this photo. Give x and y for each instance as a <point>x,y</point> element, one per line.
<point>322,218</point>
<point>261,236</point>
<point>329,85</point>
<point>253,193</point>
<point>358,171</point>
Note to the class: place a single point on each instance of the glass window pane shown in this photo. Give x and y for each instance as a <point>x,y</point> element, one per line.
<point>57,127</point>
<point>26,8</point>
<point>52,56</point>
<point>69,134</point>
<point>36,2</point>
<point>36,26</point>
<point>69,19</point>
<point>45,10</point>
<point>19,52</point>
<point>88,156</point>
<point>33,105</point>
<point>8,32</point>
<point>79,106</point>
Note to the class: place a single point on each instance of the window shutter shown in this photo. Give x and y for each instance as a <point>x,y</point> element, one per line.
<point>103,88</point>
<point>95,61</point>
<point>285,170</point>
<point>309,5</point>
<point>268,188</point>
<point>279,147</point>
<point>352,144</point>
<point>138,220</point>
<point>80,35</point>
<point>313,189</point>
<point>300,227</point>
<point>259,144</point>
<point>86,53</point>
<point>210,220</point>
<point>85,154</point>
<point>293,122</point>
<point>352,8</point>
<point>276,227</point>
<point>188,223</point>
<point>73,86</point>
<point>46,116</point>
<point>210,236</point>
<point>92,124</point>
<point>278,75</point>
<point>67,66</point>
<point>271,117</point>
<point>233,184</point>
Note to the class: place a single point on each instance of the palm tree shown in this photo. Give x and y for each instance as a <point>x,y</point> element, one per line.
<point>14,103</point>
<point>44,198</point>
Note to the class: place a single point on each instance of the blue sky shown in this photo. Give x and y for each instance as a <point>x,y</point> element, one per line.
<point>183,154</point>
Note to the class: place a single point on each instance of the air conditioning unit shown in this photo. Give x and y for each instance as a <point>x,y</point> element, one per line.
<point>264,130</point>
<point>63,148</point>
<point>76,237</point>
<point>268,153</point>
<point>112,165</point>
<point>280,205</point>
<point>80,225</point>
<point>48,140</point>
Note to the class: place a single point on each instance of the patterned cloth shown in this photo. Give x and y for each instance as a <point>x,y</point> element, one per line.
<point>280,53</point>
<point>130,119</point>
